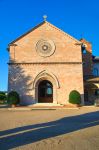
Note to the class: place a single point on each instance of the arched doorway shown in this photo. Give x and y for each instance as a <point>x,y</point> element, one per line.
<point>45,92</point>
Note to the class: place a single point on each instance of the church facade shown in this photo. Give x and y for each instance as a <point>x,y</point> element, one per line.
<point>45,65</point>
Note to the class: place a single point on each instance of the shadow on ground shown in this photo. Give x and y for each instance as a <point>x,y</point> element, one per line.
<point>28,134</point>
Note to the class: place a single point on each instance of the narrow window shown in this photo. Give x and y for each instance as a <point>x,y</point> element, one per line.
<point>95,72</point>
<point>84,49</point>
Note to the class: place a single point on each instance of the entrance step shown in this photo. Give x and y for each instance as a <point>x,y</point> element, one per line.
<point>45,105</point>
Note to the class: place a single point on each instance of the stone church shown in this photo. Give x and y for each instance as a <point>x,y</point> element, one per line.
<point>46,64</point>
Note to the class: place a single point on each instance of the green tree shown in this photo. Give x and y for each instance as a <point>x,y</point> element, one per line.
<point>2,97</point>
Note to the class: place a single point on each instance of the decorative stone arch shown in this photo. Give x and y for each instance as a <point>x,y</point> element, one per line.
<point>46,75</point>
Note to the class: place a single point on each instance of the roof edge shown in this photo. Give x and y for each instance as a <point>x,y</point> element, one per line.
<point>64,32</point>
<point>11,43</point>
<point>85,40</point>
<point>76,40</point>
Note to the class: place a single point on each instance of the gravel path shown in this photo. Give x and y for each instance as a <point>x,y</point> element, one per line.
<point>74,129</point>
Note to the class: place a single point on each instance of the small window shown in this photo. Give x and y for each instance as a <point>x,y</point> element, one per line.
<point>95,72</point>
<point>84,49</point>
<point>49,91</point>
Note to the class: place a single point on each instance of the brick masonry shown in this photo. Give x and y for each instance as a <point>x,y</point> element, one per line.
<point>63,68</point>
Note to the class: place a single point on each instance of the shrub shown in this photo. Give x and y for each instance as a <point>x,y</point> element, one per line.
<point>13,98</point>
<point>2,97</point>
<point>74,97</point>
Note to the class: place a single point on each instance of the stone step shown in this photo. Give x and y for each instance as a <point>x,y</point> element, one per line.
<point>45,105</point>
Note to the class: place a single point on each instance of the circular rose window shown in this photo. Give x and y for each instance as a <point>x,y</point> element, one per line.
<point>45,47</point>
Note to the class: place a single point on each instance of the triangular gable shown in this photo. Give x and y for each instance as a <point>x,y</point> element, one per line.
<point>27,33</point>
<point>64,33</point>
<point>78,42</point>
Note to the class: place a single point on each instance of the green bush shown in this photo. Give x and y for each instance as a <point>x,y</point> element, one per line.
<point>13,98</point>
<point>74,97</point>
<point>2,97</point>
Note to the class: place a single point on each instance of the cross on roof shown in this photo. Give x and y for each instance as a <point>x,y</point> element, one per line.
<point>45,17</point>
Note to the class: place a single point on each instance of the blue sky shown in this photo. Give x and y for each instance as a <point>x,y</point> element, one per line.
<point>78,18</point>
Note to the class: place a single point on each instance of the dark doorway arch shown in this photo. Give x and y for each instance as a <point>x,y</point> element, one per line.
<point>45,92</point>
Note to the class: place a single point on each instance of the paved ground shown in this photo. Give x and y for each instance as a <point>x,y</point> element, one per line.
<point>50,129</point>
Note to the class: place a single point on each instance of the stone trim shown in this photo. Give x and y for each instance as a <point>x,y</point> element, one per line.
<point>49,63</point>
<point>10,44</point>
<point>63,32</point>
<point>46,73</point>
<point>53,26</point>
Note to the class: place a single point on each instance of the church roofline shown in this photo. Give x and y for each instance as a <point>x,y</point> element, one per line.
<point>83,39</point>
<point>26,33</point>
<point>79,42</point>
<point>13,42</point>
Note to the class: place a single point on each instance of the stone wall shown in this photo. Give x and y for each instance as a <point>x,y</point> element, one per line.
<point>65,65</point>
<point>87,58</point>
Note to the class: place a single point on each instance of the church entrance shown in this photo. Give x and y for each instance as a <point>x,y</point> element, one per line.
<point>45,92</point>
